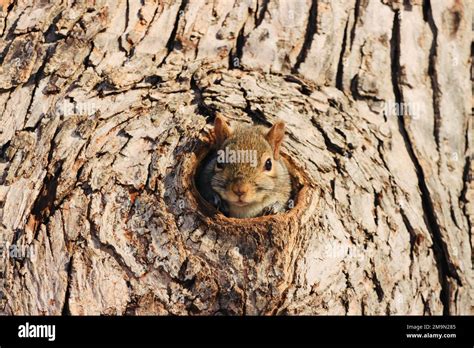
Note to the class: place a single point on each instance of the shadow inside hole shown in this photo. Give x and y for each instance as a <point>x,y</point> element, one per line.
<point>206,195</point>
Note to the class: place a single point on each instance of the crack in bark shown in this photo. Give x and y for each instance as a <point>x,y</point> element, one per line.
<point>340,65</point>
<point>285,293</point>
<point>356,19</point>
<point>432,72</point>
<point>376,204</point>
<point>2,58</point>
<point>345,296</point>
<point>171,41</point>
<point>439,246</point>
<point>38,76</point>
<point>239,45</point>
<point>147,30</point>
<point>377,286</point>
<point>259,17</point>
<point>202,108</point>
<point>311,29</point>
<point>108,248</point>
<point>66,310</point>
<point>467,179</point>
<point>120,38</point>
<point>10,35</point>
<point>256,115</point>
<point>43,206</point>
<point>180,279</point>
<point>50,35</point>
<point>5,21</point>
<point>413,237</point>
<point>332,147</point>
<point>4,146</point>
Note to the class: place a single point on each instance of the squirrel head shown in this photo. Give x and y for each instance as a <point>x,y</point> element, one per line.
<point>247,167</point>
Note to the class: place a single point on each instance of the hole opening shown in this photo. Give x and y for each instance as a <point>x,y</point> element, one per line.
<point>199,160</point>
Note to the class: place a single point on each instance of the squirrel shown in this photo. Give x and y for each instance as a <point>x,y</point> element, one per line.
<point>246,176</point>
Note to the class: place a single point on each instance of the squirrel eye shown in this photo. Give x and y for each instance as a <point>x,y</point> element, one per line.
<point>268,164</point>
<point>219,165</point>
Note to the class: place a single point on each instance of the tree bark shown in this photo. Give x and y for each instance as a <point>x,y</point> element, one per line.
<point>105,108</point>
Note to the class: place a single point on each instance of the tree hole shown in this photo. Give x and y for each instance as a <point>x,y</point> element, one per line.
<point>209,207</point>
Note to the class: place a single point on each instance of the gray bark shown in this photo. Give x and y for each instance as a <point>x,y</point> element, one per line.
<point>105,107</point>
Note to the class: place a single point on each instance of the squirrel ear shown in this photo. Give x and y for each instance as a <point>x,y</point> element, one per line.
<point>222,129</point>
<point>275,137</point>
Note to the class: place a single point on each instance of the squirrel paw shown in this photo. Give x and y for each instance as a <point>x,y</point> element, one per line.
<point>274,208</point>
<point>216,200</point>
<point>219,203</point>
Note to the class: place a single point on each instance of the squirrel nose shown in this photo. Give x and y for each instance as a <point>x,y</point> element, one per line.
<point>240,189</point>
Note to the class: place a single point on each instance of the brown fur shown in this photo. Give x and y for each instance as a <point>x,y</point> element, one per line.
<point>247,190</point>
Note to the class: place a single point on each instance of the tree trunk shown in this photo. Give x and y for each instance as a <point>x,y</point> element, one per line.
<point>105,107</point>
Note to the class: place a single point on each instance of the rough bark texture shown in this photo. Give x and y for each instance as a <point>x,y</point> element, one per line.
<point>104,110</point>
